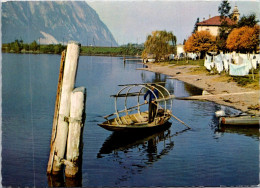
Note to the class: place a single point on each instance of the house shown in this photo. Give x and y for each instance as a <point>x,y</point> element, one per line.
<point>212,24</point>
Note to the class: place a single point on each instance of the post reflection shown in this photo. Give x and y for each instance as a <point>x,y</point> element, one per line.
<point>61,181</point>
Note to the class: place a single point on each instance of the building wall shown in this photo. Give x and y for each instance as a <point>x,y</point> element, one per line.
<point>180,49</point>
<point>212,29</point>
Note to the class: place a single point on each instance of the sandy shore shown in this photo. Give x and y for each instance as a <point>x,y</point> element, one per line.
<point>218,89</point>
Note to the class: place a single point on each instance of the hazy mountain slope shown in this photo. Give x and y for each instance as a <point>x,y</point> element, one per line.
<point>54,22</point>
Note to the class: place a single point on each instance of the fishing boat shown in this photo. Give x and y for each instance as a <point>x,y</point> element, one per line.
<point>132,118</point>
<point>241,120</point>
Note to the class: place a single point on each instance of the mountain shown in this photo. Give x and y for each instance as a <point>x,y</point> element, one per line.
<point>52,22</point>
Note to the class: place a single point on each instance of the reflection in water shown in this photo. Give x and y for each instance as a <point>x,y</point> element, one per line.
<point>123,141</point>
<point>192,90</point>
<point>61,181</point>
<point>146,147</point>
<point>180,89</point>
<point>247,131</point>
<point>156,78</point>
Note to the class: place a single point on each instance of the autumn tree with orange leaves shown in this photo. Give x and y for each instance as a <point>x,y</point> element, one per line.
<point>200,41</point>
<point>244,39</point>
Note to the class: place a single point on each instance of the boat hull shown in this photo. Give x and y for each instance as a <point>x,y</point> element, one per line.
<point>240,121</point>
<point>137,127</point>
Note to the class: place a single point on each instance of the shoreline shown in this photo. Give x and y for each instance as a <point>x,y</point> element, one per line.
<point>217,88</point>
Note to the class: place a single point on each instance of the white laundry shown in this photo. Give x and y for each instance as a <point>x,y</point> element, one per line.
<point>218,63</point>
<point>238,70</point>
<point>208,63</point>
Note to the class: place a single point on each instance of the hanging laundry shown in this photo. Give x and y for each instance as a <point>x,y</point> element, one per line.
<point>218,63</point>
<point>238,70</point>
<point>193,56</point>
<point>255,60</point>
<point>226,60</point>
<point>244,56</point>
<point>248,63</point>
<point>238,60</point>
<point>254,63</point>
<point>207,63</point>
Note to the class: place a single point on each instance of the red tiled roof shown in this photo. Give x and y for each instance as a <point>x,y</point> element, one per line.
<point>215,21</point>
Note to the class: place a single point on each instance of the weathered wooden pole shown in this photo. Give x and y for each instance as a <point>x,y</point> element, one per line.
<point>57,103</point>
<point>56,112</point>
<point>60,141</point>
<point>76,122</point>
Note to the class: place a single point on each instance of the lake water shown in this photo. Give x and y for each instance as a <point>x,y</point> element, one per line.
<point>203,156</point>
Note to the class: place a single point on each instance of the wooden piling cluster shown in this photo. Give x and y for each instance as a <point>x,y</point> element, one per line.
<point>68,121</point>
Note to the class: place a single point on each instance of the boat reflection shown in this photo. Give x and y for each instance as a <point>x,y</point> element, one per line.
<point>123,141</point>
<point>147,142</point>
<point>140,150</point>
<point>247,131</point>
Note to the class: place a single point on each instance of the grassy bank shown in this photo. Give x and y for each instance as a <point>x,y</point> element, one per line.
<point>111,51</point>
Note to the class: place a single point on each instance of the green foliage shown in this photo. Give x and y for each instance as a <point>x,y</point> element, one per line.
<point>34,46</point>
<point>224,9</point>
<point>128,50</point>
<point>249,21</point>
<point>20,47</point>
<point>195,26</point>
<point>243,81</point>
<point>224,29</point>
<point>199,62</point>
<point>159,44</point>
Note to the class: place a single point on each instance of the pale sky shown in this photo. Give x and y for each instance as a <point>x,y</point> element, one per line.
<point>132,20</point>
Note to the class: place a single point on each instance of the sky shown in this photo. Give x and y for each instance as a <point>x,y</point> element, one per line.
<point>131,21</point>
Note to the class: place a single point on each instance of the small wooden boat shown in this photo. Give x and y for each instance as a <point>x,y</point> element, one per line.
<point>126,120</point>
<point>245,120</point>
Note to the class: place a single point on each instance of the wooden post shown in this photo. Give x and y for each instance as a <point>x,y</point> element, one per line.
<point>60,141</point>
<point>57,103</point>
<point>74,142</point>
<point>56,111</point>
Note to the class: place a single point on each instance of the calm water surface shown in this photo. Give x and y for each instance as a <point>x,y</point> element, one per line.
<point>203,156</point>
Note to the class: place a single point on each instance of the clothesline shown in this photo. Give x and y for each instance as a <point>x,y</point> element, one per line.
<point>235,64</point>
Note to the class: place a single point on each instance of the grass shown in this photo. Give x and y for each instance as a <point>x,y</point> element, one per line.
<point>111,51</point>
<point>248,81</point>
<point>199,62</point>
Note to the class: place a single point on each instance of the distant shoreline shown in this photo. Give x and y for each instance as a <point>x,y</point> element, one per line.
<point>20,48</point>
<point>81,54</point>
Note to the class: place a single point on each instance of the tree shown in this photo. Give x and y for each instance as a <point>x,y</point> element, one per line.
<point>159,44</point>
<point>244,39</point>
<point>17,46</point>
<point>249,21</point>
<point>224,28</point>
<point>200,41</point>
<point>224,9</point>
<point>34,46</point>
<point>195,26</point>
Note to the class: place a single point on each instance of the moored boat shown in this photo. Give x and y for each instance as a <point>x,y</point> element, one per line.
<point>138,121</point>
<point>245,120</point>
